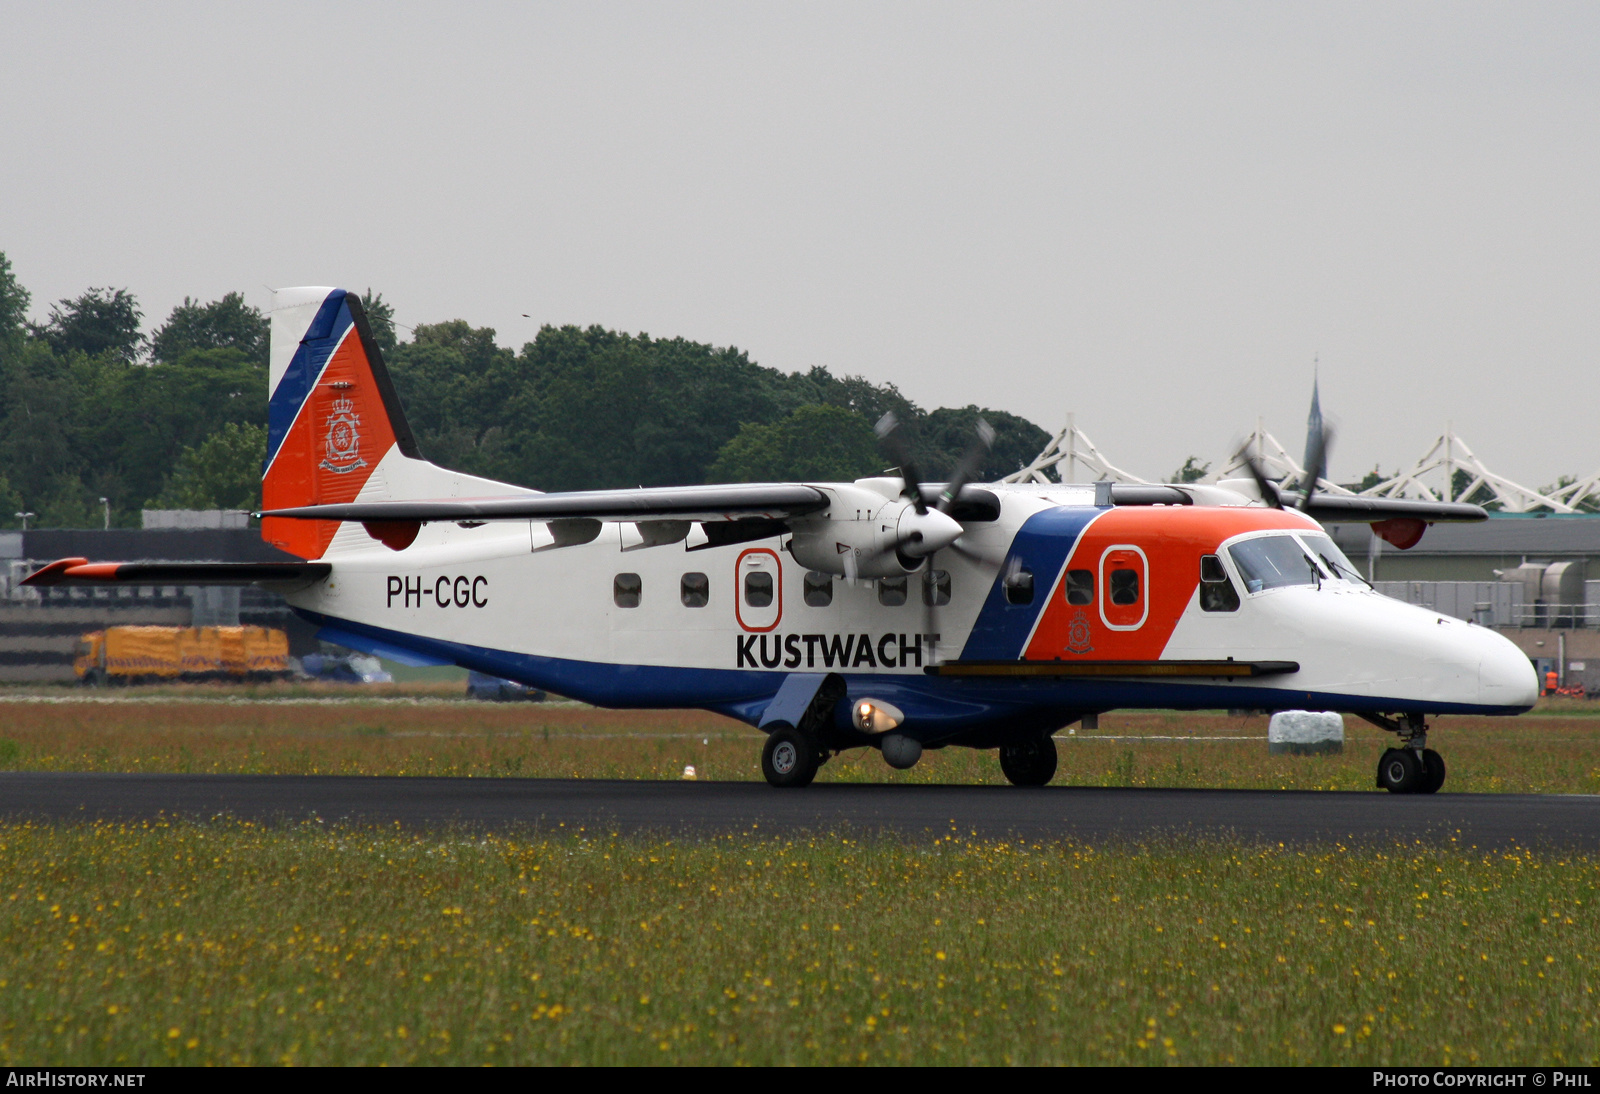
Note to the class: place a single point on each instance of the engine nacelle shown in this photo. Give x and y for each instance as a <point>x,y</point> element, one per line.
<point>866,536</point>
<point>850,548</point>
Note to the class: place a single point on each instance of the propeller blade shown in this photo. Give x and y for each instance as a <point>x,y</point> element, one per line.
<point>1268,488</point>
<point>968,466</point>
<point>888,431</point>
<point>1317,446</point>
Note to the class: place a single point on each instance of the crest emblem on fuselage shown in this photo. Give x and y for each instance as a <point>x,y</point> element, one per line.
<point>343,438</point>
<point>1080,638</point>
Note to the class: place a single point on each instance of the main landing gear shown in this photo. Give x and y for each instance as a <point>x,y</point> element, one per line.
<point>1413,768</point>
<point>790,758</point>
<point>1031,762</point>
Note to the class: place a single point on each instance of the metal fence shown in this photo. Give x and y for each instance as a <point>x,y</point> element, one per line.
<point>1496,603</point>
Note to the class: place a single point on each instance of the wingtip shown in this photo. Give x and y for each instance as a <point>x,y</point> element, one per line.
<point>53,573</point>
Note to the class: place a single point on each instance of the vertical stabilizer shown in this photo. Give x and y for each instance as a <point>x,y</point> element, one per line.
<point>333,414</point>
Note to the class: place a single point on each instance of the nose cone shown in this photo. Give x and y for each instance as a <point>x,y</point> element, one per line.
<point>921,534</point>
<point>1505,675</point>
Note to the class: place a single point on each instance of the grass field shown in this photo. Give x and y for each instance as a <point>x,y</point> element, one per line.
<point>220,943</point>
<point>419,731</point>
<point>233,944</point>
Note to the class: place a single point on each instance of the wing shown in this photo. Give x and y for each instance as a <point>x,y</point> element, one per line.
<point>1327,508</point>
<point>1335,508</point>
<point>740,501</point>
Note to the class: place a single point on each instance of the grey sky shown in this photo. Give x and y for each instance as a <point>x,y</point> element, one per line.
<point>1152,214</point>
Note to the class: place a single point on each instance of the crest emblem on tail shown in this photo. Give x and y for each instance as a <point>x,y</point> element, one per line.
<point>343,438</point>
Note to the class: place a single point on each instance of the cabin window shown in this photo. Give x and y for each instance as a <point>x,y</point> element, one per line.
<point>1272,562</point>
<point>1080,587</point>
<point>818,589</point>
<point>758,589</point>
<point>1124,586</point>
<point>695,590</point>
<point>1217,593</point>
<point>1019,586</point>
<point>625,590</point>
<point>936,588</point>
<point>891,591</point>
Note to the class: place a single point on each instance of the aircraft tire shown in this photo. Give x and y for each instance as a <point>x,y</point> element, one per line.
<point>1433,772</point>
<point>1029,763</point>
<point>789,758</point>
<point>1399,772</point>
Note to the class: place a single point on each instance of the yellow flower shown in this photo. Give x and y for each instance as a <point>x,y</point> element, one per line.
<point>1338,1028</point>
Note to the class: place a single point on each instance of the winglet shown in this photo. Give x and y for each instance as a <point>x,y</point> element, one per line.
<point>53,573</point>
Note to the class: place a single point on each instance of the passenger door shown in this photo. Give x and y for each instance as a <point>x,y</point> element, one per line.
<point>1124,587</point>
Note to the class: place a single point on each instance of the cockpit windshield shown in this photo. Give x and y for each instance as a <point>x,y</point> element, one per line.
<point>1273,562</point>
<point>1333,560</point>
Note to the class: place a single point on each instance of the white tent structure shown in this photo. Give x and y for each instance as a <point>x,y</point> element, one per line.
<point>1073,457</point>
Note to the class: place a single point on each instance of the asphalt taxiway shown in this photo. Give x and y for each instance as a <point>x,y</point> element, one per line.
<point>707,808</point>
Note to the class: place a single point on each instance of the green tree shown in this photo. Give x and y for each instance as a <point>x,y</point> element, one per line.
<point>39,409</point>
<point>101,321</point>
<point>601,409</point>
<point>14,300</point>
<point>67,503</point>
<point>819,443</point>
<point>1191,471</point>
<point>380,317</point>
<point>947,434</point>
<point>454,382</point>
<point>221,472</point>
<point>10,504</point>
<point>228,323</point>
<point>146,416</point>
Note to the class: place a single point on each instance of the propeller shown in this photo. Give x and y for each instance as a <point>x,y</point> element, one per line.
<point>1317,445</point>
<point>971,460</point>
<point>1319,438</point>
<point>1268,488</point>
<point>928,531</point>
<point>888,431</point>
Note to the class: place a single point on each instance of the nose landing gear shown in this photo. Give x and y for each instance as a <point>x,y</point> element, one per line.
<point>1413,768</point>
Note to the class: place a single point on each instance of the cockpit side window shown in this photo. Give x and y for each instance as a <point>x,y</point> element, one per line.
<point>1217,593</point>
<point>1273,562</point>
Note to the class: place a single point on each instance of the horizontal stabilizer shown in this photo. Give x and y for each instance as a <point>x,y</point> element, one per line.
<point>772,501</point>
<point>73,571</point>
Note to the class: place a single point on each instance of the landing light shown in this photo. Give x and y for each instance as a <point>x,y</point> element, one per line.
<point>876,716</point>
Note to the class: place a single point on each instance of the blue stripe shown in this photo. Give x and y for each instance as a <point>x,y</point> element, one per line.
<point>936,708</point>
<point>1043,544</point>
<point>320,340</point>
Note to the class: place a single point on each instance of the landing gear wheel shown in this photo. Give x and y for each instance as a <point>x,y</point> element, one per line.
<point>789,758</point>
<point>1399,772</point>
<point>1029,763</point>
<point>1432,772</point>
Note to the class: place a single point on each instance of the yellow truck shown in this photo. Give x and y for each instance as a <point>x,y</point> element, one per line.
<point>141,655</point>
